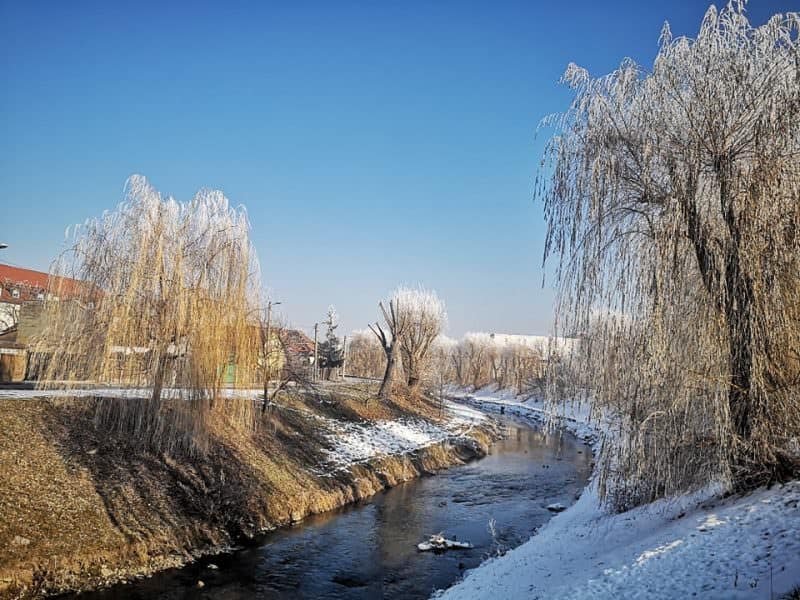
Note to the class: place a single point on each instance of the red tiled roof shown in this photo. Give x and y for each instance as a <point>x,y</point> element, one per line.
<point>31,283</point>
<point>297,342</point>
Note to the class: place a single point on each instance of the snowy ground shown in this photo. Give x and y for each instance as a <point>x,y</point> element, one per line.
<point>697,545</point>
<point>353,442</point>
<point>572,417</point>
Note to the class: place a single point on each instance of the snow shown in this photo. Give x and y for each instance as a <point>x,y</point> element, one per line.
<point>698,545</point>
<point>360,441</point>
<point>437,542</point>
<point>573,417</point>
<point>354,442</point>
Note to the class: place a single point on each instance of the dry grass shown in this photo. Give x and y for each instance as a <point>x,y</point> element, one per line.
<point>167,299</point>
<point>93,506</point>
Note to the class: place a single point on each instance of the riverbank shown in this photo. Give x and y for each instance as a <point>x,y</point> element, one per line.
<point>82,508</point>
<point>369,549</point>
<point>705,544</point>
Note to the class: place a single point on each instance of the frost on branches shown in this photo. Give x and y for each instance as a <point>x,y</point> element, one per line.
<point>413,319</point>
<point>167,291</point>
<point>674,217</point>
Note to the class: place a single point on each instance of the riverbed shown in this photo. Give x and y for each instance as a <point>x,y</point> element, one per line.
<point>368,550</point>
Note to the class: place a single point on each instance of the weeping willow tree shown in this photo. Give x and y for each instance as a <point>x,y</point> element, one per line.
<point>167,290</point>
<point>672,197</point>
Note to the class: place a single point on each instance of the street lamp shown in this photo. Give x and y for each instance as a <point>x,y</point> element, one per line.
<point>3,246</point>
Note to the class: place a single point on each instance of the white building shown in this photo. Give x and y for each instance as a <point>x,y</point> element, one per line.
<point>545,345</point>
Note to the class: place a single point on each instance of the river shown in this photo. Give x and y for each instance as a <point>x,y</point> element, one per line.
<point>368,550</point>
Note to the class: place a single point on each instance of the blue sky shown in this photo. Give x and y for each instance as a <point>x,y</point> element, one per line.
<point>373,144</point>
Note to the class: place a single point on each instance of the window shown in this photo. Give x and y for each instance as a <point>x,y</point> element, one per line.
<point>15,293</point>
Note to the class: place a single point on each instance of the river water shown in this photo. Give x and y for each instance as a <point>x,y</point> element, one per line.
<point>368,550</point>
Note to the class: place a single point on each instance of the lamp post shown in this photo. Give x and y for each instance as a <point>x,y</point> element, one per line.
<point>3,246</point>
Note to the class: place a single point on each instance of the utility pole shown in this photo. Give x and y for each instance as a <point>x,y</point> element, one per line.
<point>268,352</point>
<point>315,370</point>
<point>344,358</point>
<point>268,355</point>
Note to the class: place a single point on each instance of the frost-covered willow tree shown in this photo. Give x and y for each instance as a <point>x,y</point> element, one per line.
<point>426,316</point>
<point>673,207</point>
<point>167,291</point>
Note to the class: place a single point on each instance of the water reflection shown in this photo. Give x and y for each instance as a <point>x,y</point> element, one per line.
<point>369,550</point>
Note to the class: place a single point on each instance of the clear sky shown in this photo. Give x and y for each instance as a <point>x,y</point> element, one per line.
<point>373,143</point>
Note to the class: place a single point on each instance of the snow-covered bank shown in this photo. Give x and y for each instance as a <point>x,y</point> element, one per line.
<point>573,417</point>
<point>354,442</point>
<point>698,545</point>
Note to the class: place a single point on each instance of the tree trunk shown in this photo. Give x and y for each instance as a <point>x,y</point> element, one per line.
<point>737,301</point>
<point>392,373</point>
<point>738,305</point>
<point>158,378</point>
<point>412,368</point>
<point>738,313</point>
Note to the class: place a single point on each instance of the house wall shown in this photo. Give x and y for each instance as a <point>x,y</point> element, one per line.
<point>12,365</point>
<point>31,321</point>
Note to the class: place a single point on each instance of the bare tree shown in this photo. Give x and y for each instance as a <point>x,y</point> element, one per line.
<point>425,314</point>
<point>365,355</point>
<point>525,366</point>
<point>458,360</point>
<point>476,348</point>
<point>292,370</point>
<point>441,367</point>
<point>271,353</point>
<point>672,209</point>
<point>167,290</point>
<point>391,341</point>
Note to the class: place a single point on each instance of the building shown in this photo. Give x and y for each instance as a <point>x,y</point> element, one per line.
<point>547,346</point>
<point>299,350</point>
<point>19,286</point>
<point>22,296</point>
<point>23,293</point>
